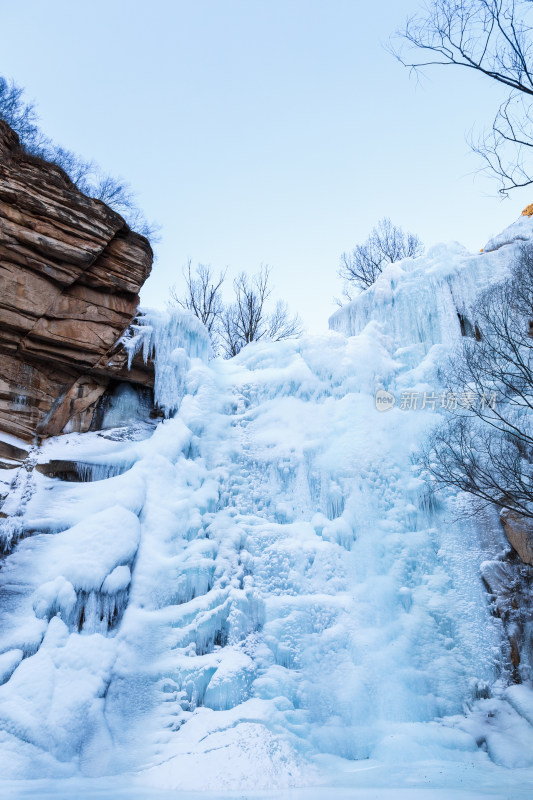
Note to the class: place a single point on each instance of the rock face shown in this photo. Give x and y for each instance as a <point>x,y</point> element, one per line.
<point>519,532</point>
<point>508,582</point>
<point>70,273</point>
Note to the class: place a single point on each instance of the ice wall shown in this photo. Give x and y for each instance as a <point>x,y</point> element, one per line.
<point>171,338</point>
<point>266,595</point>
<point>419,300</point>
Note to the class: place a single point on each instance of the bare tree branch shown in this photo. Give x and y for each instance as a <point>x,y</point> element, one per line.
<point>495,39</point>
<point>203,297</point>
<point>487,449</point>
<point>386,244</point>
<point>248,320</point>
<point>86,175</point>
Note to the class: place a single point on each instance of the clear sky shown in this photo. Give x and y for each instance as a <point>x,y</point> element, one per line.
<point>260,131</point>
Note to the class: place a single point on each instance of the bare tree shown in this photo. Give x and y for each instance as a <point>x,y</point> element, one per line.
<point>280,324</point>
<point>251,295</point>
<point>494,39</point>
<point>18,114</point>
<point>386,244</point>
<point>229,332</point>
<point>202,296</point>
<point>486,447</point>
<point>86,175</point>
<point>248,320</point>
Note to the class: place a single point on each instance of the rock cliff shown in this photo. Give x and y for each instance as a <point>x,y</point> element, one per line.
<point>519,532</point>
<point>70,273</point>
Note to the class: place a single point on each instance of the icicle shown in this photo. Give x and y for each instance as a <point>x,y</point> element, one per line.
<point>127,405</point>
<point>100,472</point>
<point>421,301</point>
<point>11,531</point>
<point>83,611</point>
<point>171,338</point>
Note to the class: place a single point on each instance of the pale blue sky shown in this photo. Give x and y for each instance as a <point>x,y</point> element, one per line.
<point>260,131</point>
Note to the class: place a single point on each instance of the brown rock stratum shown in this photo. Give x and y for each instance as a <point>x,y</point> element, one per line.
<point>519,532</point>
<point>70,274</point>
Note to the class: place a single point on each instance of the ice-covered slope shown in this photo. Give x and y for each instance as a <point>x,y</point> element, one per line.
<point>264,593</point>
<point>419,300</point>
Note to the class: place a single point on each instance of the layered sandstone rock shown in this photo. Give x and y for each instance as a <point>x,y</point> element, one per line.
<point>70,273</point>
<point>519,532</point>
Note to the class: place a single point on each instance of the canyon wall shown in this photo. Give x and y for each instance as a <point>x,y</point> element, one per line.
<point>70,274</point>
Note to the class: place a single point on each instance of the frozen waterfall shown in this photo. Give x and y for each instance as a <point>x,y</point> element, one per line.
<point>263,595</point>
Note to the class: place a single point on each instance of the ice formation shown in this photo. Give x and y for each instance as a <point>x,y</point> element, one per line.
<point>263,594</point>
<point>126,405</point>
<point>174,336</point>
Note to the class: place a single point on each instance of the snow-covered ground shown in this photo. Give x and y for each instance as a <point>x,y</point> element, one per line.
<point>262,599</point>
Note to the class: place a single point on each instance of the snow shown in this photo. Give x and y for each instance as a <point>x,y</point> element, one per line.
<point>521,699</point>
<point>14,440</point>
<point>89,552</point>
<point>262,595</point>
